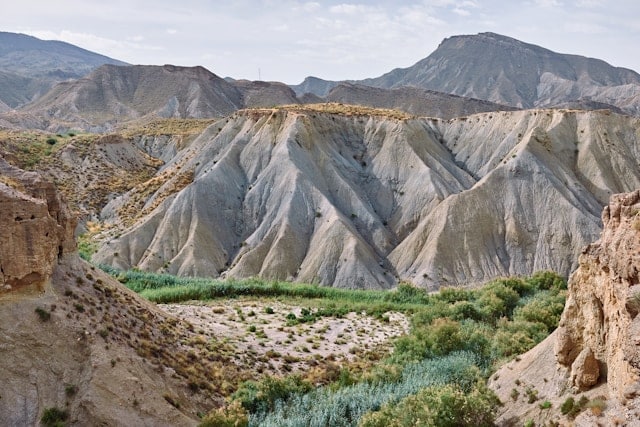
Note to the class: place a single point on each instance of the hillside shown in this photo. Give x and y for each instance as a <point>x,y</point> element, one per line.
<point>76,344</point>
<point>113,94</point>
<point>507,71</point>
<point>362,198</point>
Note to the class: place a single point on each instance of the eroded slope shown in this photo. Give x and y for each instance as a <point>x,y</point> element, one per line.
<point>358,197</point>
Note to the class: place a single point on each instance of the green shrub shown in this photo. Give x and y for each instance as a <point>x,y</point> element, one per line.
<point>545,308</point>
<point>517,337</point>
<point>496,300</point>
<point>546,405</point>
<point>262,396</point>
<point>444,405</point>
<point>52,141</point>
<point>344,406</point>
<point>567,406</point>
<point>547,280</point>
<point>54,417</point>
<point>43,314</point>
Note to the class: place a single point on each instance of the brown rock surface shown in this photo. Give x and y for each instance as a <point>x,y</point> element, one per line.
<point>602,306</point>
<point>35,230</point>
<point>596,348</point>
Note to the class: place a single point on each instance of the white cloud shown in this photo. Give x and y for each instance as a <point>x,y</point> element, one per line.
<point>349,9</point>
<point>172,31</point>
<point>548,3</point>
<point>460,11</point>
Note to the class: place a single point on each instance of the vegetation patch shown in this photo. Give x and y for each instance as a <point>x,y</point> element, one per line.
<point>436,372</point>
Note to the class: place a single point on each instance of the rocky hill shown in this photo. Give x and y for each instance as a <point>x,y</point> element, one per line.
<point>507,71</point>
<point>595,350</point>
<point>29,67</point>
<point>77,346</point>
<point>356,197</point>
<point>416,101</point>
<point>112,96</point>
<point>115,94</point>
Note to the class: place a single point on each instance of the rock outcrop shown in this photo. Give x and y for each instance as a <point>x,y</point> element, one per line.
<point>600,318</point>
<point>36,229</point>
<point>595,352</point>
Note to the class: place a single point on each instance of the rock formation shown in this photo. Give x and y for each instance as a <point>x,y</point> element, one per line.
<point>36,229</point>
<point>351,197</point>
<point>596,349</point>
<point>600,318</point>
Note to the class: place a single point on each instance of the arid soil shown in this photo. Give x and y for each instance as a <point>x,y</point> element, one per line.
<point>260,336</point>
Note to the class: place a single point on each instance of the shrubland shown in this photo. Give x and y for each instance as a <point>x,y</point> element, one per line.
<point>436,374</point>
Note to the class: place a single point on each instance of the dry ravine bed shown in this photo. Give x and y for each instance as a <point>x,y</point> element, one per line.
<point>263,337</point>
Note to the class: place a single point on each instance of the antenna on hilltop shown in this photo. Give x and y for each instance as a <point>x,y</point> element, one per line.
<point>259,74</point>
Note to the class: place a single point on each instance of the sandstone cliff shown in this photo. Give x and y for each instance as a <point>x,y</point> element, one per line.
<point>74,340</point>
<point>596,349</point>
<point>35,230</point>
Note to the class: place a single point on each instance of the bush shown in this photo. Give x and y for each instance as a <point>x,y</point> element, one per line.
<point>43,314</point>
<point>262,396</point>
<point>547,280</point>
<point>497,300</point>
<point>345,406</point>
<point>232,415</point>
<point>52,141</point>
<point>567,406</point>
<point>546,308</point>
<point>517,337</point>
<point>444,405</point>
<point>54,417</point>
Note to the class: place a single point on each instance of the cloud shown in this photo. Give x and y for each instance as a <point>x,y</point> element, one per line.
<point>460,11</point>
<point>117,49</point>
<point>172,31</point>
<point>349,9</point>
<point>548,3</point>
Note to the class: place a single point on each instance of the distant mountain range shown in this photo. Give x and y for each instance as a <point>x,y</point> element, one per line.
<point>29,67</point>
<point>465,75</point>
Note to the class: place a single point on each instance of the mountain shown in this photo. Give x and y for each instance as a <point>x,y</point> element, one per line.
<point>29,67</point>
<point>420,102</point>
<point>595,350</point>
<point>314,85</point>
<point>355,197</point>
<point>28,56</point>
<point>114,94</point>
<point>506,71</point>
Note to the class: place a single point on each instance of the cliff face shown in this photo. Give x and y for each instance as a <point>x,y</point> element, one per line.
<point>35,230</point>
<point>595,352</point>
<point>600,321</point>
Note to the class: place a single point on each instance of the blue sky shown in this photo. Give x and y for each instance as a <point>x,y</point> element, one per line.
<point>288,40</point>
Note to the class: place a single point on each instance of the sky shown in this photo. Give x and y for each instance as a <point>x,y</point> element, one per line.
<point>288,40</point>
